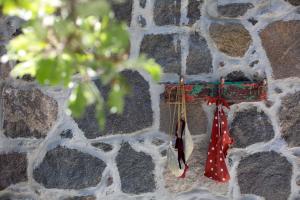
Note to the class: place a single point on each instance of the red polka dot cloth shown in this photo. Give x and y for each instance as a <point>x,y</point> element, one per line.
<point>220,141</point>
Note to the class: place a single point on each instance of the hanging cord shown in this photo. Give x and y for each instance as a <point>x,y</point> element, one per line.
<point>172,116</point>
<point>183,101</point>
<point>219,104</point>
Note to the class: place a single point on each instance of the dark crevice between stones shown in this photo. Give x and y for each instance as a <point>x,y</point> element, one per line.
<point>253,21</point>
<point>236,76</point>
<point>143,3</point>
<point>255,62</point>
<point>103,146</point>
<point>141,21</point>
<point>66,134</point>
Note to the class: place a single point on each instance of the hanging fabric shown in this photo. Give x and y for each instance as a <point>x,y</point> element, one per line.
<point>215,167</point>
<point>179,153</point>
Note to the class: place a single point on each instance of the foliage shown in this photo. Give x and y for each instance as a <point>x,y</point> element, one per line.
<point>66,42</point>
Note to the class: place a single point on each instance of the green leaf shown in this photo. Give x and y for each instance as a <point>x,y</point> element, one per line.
<point>77,101</point>
<point>87,8</point>
<point>100,114</point>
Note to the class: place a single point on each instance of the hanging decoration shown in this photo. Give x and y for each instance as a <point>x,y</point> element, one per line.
<point>179,153</point>
<point>222,94</point>
<point>215,167</point>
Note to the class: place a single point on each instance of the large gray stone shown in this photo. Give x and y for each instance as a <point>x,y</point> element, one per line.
<point>64,168</point>
<point>9,28</point>
<point>281,41</point>
<point>234,9</point>
<point>230,38</point>
<point>289,116</point>
<point>27,112</point>
<point>294,2</point>
<point>122,10</point>
<point>250,126</point>
<point>199,59</point>
<point>165,49</point>
<point>266,174</point>
<point>17,196</point>
<point>137,113</point>
<point>194,12</point>
<point>166,12</point>
<point>196,118</point>
<point>13,169</point>
<point>136,170</point>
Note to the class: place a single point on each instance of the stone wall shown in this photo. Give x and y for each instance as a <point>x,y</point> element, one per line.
<point>46,154</point>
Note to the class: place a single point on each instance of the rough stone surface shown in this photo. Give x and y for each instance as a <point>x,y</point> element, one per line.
<point>199,59</point>
<point>236,76</point>
<point>122,10</point>
<point>165,49</point>
<point>250,126</point>
<point>27,112</point>
<point>196,118</point>
<point>81,198</point>
<point>137,112</point>
<point>5,69</point>
<point>103,146</point>
<point>281,40</point>
<point>64,168</point>
<point>234,9</point>
<point>9,28</point>
<point>266,174</point>
<point>136,170</point>
<point>231,38</point>
<point>194,13</point>
<point>17,196</point>
<point>294,2</point>
<point>166,12</point>
<point>289,116</point>
<point>194,177</point>
<point>13,169</point>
